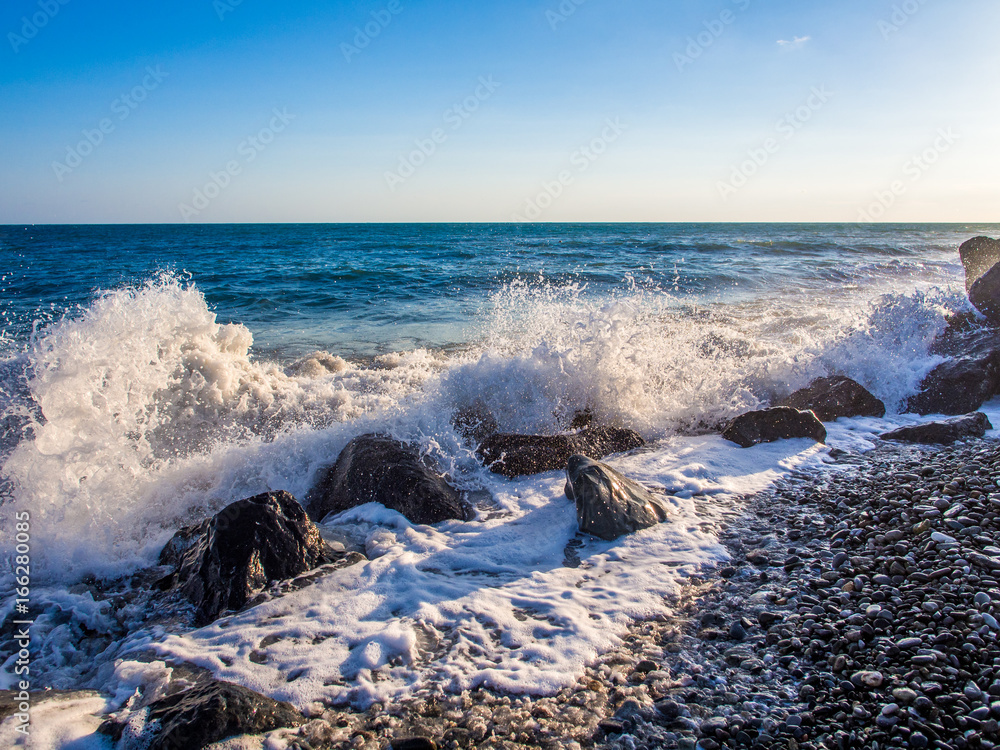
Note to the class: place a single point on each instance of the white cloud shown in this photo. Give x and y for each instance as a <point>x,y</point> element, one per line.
<point>797,42</point>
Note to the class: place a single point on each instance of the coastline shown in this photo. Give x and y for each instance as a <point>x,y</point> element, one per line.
<point>816,634</point>
<point>774,649</point>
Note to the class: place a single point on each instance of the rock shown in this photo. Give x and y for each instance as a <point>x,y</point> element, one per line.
<point>381,469</point>
<point>609,504</point>
<point>958,386</point>
<point>777,423</point>
<point>225,560</point>
<point>944,432</point>
<point>521,455</point>
<point>413,743</point>
<point>980,257</point>
<point>202,715</point>
<point>835,397</point>
<point>475,423</point>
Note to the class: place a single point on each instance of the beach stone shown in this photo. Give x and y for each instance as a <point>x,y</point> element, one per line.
<point>225,560</point>
<point>944,432</point>
<point>609,504</point>
<point>521,455</point>
<point>869,679</point>
<point>770,425</point>
<point>208,713</point>
<point>381,469</point>
<point>835,397</point>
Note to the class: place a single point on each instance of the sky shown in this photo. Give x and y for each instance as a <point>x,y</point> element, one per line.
<point>526,110</point>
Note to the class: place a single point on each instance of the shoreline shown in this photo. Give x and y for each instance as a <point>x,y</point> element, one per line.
<point>804,639</point>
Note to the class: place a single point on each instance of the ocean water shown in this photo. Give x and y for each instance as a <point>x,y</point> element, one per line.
<point>150,375</point>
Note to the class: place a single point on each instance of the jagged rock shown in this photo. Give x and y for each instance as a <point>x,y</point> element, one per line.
<point>835,397</point>
<point>223,561</point>
<point>944,432</point>
<point>776,423</point>
<point>381,469</point>
<point>980,257</point>
<point>609,504</point>
<point>195,718</point>
<point>521,455</point>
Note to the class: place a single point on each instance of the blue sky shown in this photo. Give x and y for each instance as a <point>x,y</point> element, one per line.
<point>579,110</point>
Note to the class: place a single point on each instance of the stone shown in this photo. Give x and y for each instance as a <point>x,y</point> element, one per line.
<point>944,432</point>
<point>475,423</point>
<point>520,455</point>
<point>381,469</point>
<point>776,423</point>
<point>413,743</point>
<point>208,713</point>
<point>609,504</point>
<point>225,560</point>
<point>958,386</point>
<point>980,257</point>
<point>835,397</point>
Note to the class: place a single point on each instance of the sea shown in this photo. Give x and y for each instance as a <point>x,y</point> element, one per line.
<point>151,375</point>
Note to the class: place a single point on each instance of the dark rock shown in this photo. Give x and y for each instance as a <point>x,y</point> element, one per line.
<point>944,432</point>
<point>475,423</point>
<point>223,561</point>
<point>195,718</point>
<point>834,397</point>
<point>413,743</point>
<point>959,385</point>
<point>380,469</point>
<point>609,504</point>
<point>980,257</point>
<point>777,423</point>
<point>520,455</point>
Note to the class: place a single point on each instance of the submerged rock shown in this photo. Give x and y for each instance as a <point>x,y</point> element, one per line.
<point>521,455</point>
<point>608,504</point>
<point>776,423</point>
<point>944,432</point>
<point>225,560</point>
<point>196,718</point>
<point>835,397</point>
<point>381,469</point>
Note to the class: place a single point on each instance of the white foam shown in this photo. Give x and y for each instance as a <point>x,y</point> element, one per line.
<point>487,602</point>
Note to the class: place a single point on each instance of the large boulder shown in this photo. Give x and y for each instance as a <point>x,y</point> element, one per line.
<point>200,716</point>
<point>224,561</point>
<point>776,423</point>
<point>958,386</point>
<point>980,257</point>
<point>521,455</point>
<point>381,469</point>
<point>835,397</point>
<point>609,504</point>
<point>944,432</point>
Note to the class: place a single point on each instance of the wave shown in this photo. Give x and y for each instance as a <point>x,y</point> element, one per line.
<point>141,411</point>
